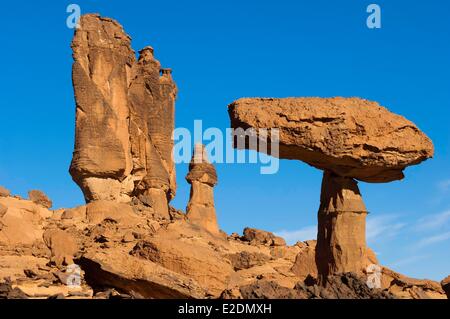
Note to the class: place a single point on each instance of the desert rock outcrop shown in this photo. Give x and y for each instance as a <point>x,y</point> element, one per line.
<point>349,139</point>
<point>203,177</point>
<point>124,118</point>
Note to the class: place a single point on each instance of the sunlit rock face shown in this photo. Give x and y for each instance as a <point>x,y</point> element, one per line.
<point>350,137</point>
<point>124,117</point>
<point>203,177</point>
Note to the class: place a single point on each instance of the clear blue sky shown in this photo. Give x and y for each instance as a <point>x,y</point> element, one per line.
<point>227,50</point>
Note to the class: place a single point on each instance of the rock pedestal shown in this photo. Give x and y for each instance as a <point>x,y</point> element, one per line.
<point>351,137</point>
<point>341,238</point>
<point>203,177</point>
<point>124,118</point>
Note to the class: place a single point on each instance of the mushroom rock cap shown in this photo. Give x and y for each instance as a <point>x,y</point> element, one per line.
<point>351,137</point>
<point>200,169</point>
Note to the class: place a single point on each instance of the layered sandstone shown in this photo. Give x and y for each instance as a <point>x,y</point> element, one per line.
<point>124,117</point>
<point>351,137</point>
<point>341,237</point>
<point>122,162</point>
<point>203,177</point>
<point>124,253</point>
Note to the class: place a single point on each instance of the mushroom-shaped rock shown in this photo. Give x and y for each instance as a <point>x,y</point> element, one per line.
<point>124,118</point>
<point>351,137</point>
<point>203,177</point>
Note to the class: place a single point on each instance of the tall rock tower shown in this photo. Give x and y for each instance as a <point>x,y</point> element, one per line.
<point>124,118</point>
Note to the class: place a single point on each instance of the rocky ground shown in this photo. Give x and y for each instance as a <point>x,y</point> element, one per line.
<point>126,251</point>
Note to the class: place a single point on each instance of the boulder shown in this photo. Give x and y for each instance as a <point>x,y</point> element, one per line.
<point>403,287</point>
<point>39,197</point>
<point>4,192</point>
<point>261,237</point>
<point>22,222</point>
<point>134,275</point>
<point>124,117</point>
<point>351,137</point>
<point>62,246</point>
<point>203,177</point>
<point>8,292</point>
<point>3,210</point>
<point>341,238</point>
<point>446,286</point>
<point>100,210</point>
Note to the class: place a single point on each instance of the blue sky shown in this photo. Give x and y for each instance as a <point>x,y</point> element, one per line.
<point>223,51</point>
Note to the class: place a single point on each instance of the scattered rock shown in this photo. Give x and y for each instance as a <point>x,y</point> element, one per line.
<point>3,210</point>
<point>264,289</point>
<point>341,238</point>
<point>343,286</point>
<point>8,292</point>
<point>135,275</point>
<point>39,198</point>
<point>446,286</point>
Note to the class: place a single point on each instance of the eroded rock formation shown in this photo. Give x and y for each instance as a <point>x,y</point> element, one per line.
<point>349,139</point>
<point>124,253</point>
<point>124,118</point>
<point>341,237</point>
<point>39,197</point>
<point>125,249</point>
<point>203,177</point>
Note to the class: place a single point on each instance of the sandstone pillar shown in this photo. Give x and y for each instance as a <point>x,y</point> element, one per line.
<point>125,112</point>
<point>202,177</point>
<point>341,238</point>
